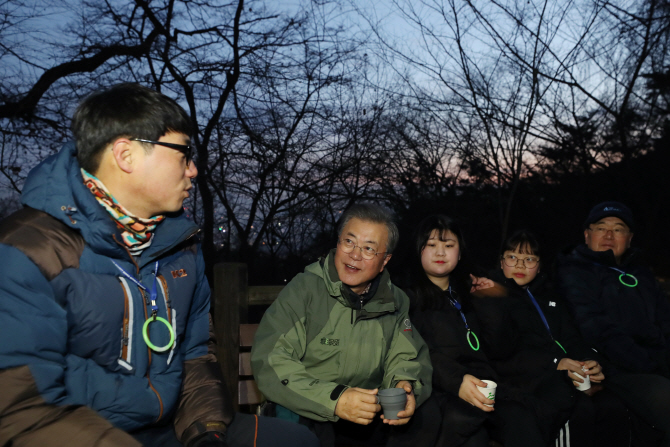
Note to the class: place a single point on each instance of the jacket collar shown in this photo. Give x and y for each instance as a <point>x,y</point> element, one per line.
<point>381,298</point>
<point>56,187</point>
<point>606,258</point>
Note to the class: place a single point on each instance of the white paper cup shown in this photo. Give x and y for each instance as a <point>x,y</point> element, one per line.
<point>490,391</point>
<point>587,381</point>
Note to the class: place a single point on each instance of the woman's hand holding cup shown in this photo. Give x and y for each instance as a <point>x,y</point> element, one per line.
<point>472,391</point>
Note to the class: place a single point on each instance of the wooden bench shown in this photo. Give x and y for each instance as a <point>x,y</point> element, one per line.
<point>231,299</point>
<point>248,395</point>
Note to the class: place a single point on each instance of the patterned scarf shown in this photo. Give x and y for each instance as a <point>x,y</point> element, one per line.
<point>137,232</point>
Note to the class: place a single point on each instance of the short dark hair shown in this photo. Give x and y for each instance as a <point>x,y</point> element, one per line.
<point>525,240</point>
<point>124,110</point>
<point>427,295</point>
<point>371,212</point>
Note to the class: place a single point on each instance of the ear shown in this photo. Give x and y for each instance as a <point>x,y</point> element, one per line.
<point>124,154</point>
<point>387,258</point>
<point>502,265</point>
<point>587,237</point>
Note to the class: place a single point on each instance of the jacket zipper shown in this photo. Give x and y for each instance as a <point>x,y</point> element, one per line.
<point>160,401</point>
<point>126,318</point>
<point>166,297</point>
<point>127,329</point>
<point>352,311</point>
<point>171,314</point>
<point>357,355</point>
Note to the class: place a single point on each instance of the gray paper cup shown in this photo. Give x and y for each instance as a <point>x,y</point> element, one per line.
<point>392,401</point>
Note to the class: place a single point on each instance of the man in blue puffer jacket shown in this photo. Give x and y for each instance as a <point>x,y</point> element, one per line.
<point>104,307</point>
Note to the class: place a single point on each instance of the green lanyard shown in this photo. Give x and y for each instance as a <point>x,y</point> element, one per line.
<point>623,275</point>
<point>153,294</point>
<point>454,302</point>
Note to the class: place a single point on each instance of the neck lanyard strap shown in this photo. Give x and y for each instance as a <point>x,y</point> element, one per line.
<point>153,293</point>
<point>616,270</point>
<point>544,320</point>
<point>454,302</point>
<point>539,311</point>
<point>622,276</point>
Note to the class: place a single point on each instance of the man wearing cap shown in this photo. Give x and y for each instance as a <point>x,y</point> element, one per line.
<point>621,311</point>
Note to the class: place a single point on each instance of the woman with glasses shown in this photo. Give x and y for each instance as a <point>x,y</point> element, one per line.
<point>535,348</point>
<point>441,310</point>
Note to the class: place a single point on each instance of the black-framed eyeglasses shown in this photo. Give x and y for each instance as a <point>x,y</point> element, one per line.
<point>185,149</point>
<point>530,262</point>
<point>367,252</point>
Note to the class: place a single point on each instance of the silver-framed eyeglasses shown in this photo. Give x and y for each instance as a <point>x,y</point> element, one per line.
<point>530,262</point>
<point>185,149</point>
<point>367,252</point>
<point>602,230</point>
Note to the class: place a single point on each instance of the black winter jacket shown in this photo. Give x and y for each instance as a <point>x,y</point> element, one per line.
<point>520,347</point>
<point>628,325</point>
<point>549,395</point>
<point>445,334</point>
<point>525,355</point>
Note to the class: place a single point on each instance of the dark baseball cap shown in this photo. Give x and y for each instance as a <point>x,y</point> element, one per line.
<point>607,209</point>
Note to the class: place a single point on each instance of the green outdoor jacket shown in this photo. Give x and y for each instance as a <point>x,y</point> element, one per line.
<point>312,344</point>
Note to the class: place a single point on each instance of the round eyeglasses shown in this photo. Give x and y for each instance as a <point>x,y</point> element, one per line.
<point>367,252</point>
<point>530,262</point>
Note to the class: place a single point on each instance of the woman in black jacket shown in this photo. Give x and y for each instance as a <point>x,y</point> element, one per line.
<point>535,347</point>
<point>441,310</point>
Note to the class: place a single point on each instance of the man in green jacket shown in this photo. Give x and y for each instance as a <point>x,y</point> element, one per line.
<point>340,332</point>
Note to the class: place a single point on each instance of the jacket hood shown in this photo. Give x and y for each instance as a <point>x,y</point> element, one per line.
<point>56,187</point>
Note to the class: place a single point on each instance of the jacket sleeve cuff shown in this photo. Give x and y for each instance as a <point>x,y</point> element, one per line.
<point>395,383</point>
<point>198,428</point>
<point>336,394</point>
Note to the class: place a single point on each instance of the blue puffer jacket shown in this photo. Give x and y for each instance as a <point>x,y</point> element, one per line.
<point>80,331</point>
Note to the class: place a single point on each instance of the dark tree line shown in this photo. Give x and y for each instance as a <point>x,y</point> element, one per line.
<point>503,114</point>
